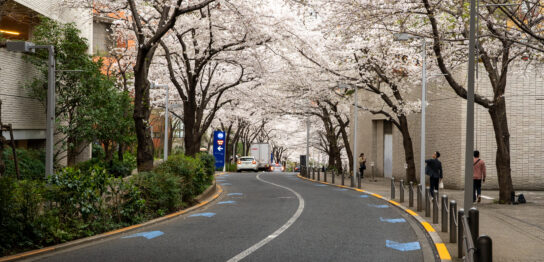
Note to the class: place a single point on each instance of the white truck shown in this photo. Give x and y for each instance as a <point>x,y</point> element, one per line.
<point>262,154</point>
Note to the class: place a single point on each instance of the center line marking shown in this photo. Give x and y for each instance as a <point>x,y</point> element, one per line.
<point>276,233</point>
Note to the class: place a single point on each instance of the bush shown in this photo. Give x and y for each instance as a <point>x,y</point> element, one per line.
<point>196,173</point>
<point>31,163</point>
<point>161,191</point>
<point>73,204</point>
<point>116,168</point>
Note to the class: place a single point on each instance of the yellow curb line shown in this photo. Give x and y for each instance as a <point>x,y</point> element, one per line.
<point>443,251</point>
<point>106,234</point>
<point>440,247</point>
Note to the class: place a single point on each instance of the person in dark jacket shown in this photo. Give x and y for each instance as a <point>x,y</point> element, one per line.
<point>434,171</point>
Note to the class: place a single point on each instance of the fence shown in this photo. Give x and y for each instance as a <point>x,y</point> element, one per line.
<point>463,228</point>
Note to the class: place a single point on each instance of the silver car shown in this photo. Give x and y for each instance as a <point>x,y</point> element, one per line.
<point>247,163</point>
<point>276,167</point>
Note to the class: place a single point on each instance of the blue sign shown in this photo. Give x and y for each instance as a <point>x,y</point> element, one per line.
<point>219,148</point>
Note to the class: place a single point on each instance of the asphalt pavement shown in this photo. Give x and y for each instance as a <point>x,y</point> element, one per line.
<point>270,217</point>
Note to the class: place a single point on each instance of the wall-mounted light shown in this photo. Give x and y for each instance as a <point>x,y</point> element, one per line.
<point>9,32</point>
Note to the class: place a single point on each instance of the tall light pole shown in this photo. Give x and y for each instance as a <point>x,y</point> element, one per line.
<point>307,144</point>
<point>29,47</point>
<point>355,114</point>
<point>469,146</point>
<point>165,150</point>
<point>406,37</point>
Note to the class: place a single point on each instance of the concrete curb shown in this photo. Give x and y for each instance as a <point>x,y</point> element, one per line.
<point>439,245</point>
<point>205,198</point>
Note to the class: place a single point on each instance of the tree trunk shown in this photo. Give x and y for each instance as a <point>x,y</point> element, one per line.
<point>120,152</point>
<point>72,151</point>
<point>408,150</point>
<point>142,110</point>
<point>502,159</point>
<point>346,144</point>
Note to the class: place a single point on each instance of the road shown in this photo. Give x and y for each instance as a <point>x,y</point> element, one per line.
<point>271,217</point>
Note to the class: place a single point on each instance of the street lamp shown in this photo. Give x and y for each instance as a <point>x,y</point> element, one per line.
<point>407,37</point>
<point>29,47</point>
<point>165,150</point>
<point>355,112</point>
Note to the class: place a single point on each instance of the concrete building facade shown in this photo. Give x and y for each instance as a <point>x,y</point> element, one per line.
<point>26,114</point>
<point>445,132</point>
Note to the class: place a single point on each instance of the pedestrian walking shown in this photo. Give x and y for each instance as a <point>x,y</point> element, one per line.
<point>478,177</point>
<point>362,164</point>
<point>434,171</point>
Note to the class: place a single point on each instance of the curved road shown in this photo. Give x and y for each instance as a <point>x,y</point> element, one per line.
<point>270,217</point>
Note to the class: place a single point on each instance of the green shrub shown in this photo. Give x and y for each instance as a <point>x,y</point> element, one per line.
<point>196,173</point>
<point>31,163</point>
<point>161,191</point>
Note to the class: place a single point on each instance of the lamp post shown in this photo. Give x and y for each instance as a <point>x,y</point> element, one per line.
<point>29,47</point>
<point>406,37</point>
<point>355,113</point>
<point>165,150</point>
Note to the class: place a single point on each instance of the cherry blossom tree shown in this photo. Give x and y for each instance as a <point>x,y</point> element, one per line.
<point>149,22</point>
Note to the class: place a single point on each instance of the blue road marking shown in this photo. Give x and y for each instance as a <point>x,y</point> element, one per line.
<point>148,235</point>
<point>225,184</point>
<point>226,202</point>
<point>392,220</point>
<point>378,206</point>
<point>207,214</point>
<point>320,185</point>
<point>234,194</point>
<point>409,246</point>
<point>363,196</point>
<point>341,189</point>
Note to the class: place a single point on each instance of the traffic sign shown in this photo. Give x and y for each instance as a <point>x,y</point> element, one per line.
<point>218,148</point>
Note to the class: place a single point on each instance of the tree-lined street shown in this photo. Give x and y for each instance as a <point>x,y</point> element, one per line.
<point>114,113</point>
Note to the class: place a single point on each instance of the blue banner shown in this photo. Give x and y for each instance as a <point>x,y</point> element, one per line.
<point>219,148</point>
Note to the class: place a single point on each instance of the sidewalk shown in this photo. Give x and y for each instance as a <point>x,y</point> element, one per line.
<point>517,231</point>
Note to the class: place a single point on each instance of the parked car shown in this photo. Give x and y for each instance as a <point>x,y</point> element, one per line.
<point>297,169</point>
<point>247,163</point>
<point>277,167</point>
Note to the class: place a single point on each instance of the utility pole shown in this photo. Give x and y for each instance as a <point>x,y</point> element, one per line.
<point>355,110</point>
<point>307,143</point>
<point>469,144</point>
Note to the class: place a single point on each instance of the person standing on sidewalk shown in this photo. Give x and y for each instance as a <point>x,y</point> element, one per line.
<point>434,170</point>
<point>362,164</point>
<point>478,176</point>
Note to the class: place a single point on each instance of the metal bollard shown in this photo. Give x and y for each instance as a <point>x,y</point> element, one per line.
<point>332,178</point>
<point>473,222</point>
<point>401,191</point>
<point>444,214</point>
<point>319,174</point>
<point>359,174</point>
<point>343,175</point>
<point>435,207</point>
<point>313,173</point>
<point>427,202</point>
<point>392,188</point>
<point>484,245</point>
<point>460,215</point>
<point>411,194</point>
<point>419,198</point>
<point>453,213</point>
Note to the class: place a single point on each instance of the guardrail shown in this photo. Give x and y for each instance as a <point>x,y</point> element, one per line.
<point>463,228</point>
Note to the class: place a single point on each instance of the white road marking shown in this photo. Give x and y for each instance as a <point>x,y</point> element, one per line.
<point>276,233</point>
<point>486,197</point>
